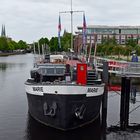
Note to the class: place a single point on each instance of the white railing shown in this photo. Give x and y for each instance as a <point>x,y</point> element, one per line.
<point>132,68</point>
<point>118,67</point>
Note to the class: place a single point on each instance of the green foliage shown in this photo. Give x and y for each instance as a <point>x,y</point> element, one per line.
<point>109,41</point>
<point>22,45</point>
<point>127,50</point>
<point>131,42</point>
<point>66,41</point>
<point>107,46</point>
<point>138,50</point>
<point>10,45</point>
<point>109,50</point>
<point>54,44</point>
<point>13,45</point>
<point>44,42</point>
<point>4,44</point>
<point>118,49</point>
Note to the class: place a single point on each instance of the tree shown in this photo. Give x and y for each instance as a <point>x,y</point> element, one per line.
<point>107,46</point>
<point>127,51</point>
<point>22,45</point>
<point>118,50</point>
<point>131,42</point>
<point>99,49</point>
<point>12,45</point>
<point>138,50</point>
<point>45,42</point>
<point>4,44</point>
<point>66,41</point>
<point>109,49</point>
<point>109,41</point>
<point>54,44</point>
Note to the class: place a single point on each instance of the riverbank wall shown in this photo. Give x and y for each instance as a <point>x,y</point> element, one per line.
<point>13,53</point>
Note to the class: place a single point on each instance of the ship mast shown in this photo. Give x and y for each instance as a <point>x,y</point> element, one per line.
<point>71,12</point>
<point>71,26</point>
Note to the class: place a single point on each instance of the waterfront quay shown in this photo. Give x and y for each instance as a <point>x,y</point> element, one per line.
<point>17,124</point>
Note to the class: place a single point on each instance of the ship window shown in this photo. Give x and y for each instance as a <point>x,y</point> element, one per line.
<point>43,71</point>
<point>50,71</point>
<point>59,71</point>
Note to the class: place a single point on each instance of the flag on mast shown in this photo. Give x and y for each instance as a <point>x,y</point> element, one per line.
<point>84,32</point>
<point>59,31</point>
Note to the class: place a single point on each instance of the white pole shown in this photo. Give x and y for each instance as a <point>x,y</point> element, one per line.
<point>95,53</point>
<point>95,49</point>
<point>34,53</point>
<point>34,48</point>
<point>71,26</point>
<point>90,51</point>
<point>42,51</point>
<point>38,48</point>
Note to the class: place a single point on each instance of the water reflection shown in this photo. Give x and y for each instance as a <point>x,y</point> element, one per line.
<point>37,131</point>
<point>4,66</point>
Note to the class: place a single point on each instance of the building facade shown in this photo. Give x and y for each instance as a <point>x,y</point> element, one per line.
<point>97,33</point>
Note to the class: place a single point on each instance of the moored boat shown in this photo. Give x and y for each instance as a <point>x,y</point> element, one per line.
<point>63,93</point>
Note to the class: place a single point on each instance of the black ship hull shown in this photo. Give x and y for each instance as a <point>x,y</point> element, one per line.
<point>64,111</point>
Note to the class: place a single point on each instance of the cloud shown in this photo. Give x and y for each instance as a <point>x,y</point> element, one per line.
<point>31,19</point>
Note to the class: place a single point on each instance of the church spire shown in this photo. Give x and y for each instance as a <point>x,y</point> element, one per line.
<point>3,32</point>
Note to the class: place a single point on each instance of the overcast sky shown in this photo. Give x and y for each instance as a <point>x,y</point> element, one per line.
<point>30,20</point>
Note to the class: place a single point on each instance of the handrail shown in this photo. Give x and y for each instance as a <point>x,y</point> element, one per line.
<point>119,67</point>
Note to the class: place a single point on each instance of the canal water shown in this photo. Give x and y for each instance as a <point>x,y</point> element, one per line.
<point>17,124</point>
